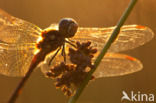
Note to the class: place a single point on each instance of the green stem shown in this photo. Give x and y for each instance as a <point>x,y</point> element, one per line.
<point>115,33</point>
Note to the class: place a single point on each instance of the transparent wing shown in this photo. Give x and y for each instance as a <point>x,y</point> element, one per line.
<point>131,36</point>
<point>15,59</point>
<point>17,43</point>
<point>14,30</point>
<point>115,64</point>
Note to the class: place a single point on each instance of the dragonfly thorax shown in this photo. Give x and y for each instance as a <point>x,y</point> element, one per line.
<point>50,41</point>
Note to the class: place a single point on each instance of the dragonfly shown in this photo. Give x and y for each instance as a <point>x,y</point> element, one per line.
<point>20,39</point>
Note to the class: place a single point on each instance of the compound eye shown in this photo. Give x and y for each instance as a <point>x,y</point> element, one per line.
<point>72,29</point>
<point>68,27</point>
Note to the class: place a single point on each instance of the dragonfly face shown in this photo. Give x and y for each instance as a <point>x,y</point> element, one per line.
<point>18,40</point>
<point>68,27</point>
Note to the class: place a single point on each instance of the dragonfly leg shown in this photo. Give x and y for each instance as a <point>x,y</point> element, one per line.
<point>70,43</point>
<point>63,53</point>
<point>70,40</point>
<point>54,56</point>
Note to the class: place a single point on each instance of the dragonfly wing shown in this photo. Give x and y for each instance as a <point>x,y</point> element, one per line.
<point>131,36</point>
<point>115,64</point>
<point>15,59</point>
<point>14,30</point>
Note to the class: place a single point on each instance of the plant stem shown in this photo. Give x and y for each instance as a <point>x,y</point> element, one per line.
<point>115,33</point>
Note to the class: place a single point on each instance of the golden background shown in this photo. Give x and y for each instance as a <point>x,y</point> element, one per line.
<point>97,13</point>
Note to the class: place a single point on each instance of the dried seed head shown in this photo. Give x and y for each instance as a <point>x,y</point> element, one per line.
<point>70,76</point>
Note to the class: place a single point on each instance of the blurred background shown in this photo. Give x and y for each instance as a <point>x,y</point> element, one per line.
<point>90,13</point>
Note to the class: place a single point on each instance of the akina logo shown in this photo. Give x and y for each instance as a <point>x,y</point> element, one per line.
<point>137,97</point>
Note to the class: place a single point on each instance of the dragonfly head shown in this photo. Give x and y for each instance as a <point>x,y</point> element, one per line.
<point>68,27</point>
